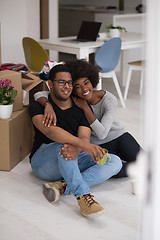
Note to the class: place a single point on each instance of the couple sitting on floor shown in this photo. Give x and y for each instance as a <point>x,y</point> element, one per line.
<point>65,123</point>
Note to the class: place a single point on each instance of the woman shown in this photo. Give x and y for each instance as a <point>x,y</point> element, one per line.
<point>99,108</point>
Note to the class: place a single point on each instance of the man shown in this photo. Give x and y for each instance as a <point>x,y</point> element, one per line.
<point>79,170</point>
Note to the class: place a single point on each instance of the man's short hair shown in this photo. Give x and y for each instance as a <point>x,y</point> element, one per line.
<point>56,69</point>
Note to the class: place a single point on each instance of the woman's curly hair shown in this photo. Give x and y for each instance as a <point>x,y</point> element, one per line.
<point>81,68</point>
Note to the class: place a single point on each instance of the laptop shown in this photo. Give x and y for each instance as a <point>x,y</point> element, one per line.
<point>88,32</point>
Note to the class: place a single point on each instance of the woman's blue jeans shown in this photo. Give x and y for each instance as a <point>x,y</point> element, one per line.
<point>79,174</point>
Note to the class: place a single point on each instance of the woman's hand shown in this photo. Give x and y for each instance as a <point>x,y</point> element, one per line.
<point>81,103</point>
<point>49,115</point>
<point>69,152</point>
<point>94,150</point>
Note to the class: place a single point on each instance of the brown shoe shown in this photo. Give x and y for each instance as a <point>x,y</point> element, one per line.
<point>53,190</point>
<point>89,207</point>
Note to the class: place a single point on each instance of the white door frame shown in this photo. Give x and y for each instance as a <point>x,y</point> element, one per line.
<point>150,229</point>
<point>53,25</point>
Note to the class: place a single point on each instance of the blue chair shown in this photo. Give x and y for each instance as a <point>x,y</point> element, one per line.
<point>107,58</point>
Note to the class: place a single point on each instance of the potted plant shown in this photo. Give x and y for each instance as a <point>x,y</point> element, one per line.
<point>115,30</point>
<point>7,94</point>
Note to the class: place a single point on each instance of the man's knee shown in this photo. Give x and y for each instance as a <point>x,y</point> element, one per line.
<point>58,147</point>
<point>116,163</point>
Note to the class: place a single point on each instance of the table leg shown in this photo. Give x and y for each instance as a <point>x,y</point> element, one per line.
<point>83,54</point>
<point>123,67</point>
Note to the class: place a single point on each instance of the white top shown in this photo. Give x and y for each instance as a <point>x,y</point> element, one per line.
<point>105,128</point>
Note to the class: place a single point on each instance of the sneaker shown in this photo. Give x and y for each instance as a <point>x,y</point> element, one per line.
<point>89,207</point>
<point>53,190</point>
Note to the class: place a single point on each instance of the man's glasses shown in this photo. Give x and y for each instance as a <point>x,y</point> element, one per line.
<point>63,83</point>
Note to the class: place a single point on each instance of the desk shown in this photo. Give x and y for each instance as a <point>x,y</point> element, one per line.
<point>83,49</point>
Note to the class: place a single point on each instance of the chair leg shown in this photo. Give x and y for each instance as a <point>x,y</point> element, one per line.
<point>127,82</point>
<point>141,82</point>
<point>118,89</point>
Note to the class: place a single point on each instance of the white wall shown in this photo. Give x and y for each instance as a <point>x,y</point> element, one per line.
<point>18,18</point>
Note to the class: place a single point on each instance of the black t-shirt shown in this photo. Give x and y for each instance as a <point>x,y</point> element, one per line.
<point>69,119</point>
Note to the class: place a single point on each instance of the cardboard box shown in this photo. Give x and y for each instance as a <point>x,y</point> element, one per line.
<point>32,84</point>
<point>15,139</point>
<point>16,133</point>
<point>26,85</point>
<point>17,83</point>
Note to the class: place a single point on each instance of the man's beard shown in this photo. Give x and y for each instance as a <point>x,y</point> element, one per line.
<point>60,98</point>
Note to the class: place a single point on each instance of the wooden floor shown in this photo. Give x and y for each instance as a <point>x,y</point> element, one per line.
<point>26,215</point>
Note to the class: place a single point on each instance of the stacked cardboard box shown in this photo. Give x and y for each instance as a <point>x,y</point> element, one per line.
<point>16,132</point>
<point>15,139</point>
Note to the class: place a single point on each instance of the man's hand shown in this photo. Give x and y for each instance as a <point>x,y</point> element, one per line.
<point>49,115</point>
<point>69,152</point>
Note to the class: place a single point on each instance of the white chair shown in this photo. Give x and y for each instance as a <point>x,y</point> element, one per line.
<point>107,58</point>
<point>134,66</point>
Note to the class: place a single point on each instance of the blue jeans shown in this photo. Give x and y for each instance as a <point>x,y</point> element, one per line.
<point>79,174</point>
